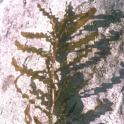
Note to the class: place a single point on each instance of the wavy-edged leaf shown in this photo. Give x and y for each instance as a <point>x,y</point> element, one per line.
<point>71,23</point>
<point>44,11</point>
<point>82,41</point>
<point>77,44</point>
<point>28,72</point>
<point>80,56</point>
<point>24,95</point>
<point>84,17</point>
<point>32,35</point>
<point>81,21</point>
<point>26,48</point>
<point>69,17</point>
<point>52,18</point>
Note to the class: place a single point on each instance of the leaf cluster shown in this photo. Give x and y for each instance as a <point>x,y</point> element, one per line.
<point>62,30</point>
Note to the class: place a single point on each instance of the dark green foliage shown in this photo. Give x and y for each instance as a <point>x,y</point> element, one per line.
<point>60,91</point>
<point>104,20</point>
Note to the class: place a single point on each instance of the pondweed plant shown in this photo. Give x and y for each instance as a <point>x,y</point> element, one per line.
<point>57,79</point>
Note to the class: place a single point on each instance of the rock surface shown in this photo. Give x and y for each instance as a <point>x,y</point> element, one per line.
<point>106,78</point>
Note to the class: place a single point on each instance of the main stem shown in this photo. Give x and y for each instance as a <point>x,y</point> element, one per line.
<point>52,87</point>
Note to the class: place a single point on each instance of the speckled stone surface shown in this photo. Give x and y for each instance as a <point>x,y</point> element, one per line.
<point>106,78</point>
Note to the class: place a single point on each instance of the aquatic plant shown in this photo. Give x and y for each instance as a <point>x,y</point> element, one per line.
<point>57,79</point>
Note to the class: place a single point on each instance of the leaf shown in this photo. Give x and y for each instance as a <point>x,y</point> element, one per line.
<point>43,11</point>
<point>31,35</point>
<point>24,95</point>
<point>75,22</point>
<point>84,17</point>
<point>81,21</point>
<point>63,24</point>
<point>82,41</point>
<point>77,44</point>
<point>26,48</point>
<point>52,18</point>
<point>28,72</point>
<point>80,56</point>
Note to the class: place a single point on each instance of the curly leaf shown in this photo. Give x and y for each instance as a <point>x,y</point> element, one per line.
<point>77,44</point>
<point>31,35</point>
<point>28,72</point>
<point>84,17</point>
<point>30,49</point>
<point>49,15</point>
